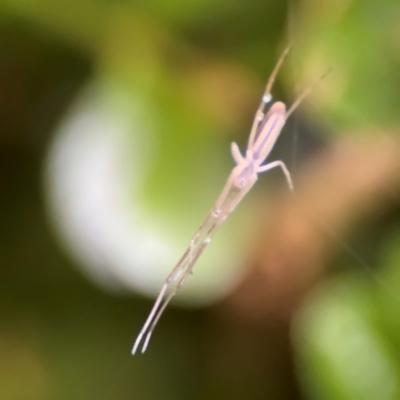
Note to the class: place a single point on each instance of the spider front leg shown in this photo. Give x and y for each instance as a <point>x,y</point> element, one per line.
<point>274,164</point>
<point>266,97</point>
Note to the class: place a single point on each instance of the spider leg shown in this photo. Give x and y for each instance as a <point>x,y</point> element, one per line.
<point>266,97</point>
<point>227,201</point>
<point>274,164</point>
<point>171,276</point>
<point>181,282</point>
<point>189,257</point>
<point>237,156</point>
<point>305,93</point>
<point>256,123</point>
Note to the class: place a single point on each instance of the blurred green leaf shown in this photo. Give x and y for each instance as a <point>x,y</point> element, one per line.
<point>343,352</point>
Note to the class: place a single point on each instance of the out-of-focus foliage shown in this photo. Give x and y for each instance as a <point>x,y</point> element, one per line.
<point>116,119</point>
<point>359,40</point>
<point>347,336</point>
<point>348,353</point>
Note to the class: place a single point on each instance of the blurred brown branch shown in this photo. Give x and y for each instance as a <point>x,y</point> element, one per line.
<point>334,191</point>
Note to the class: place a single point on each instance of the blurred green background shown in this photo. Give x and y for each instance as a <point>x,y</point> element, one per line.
<point>115,125</point>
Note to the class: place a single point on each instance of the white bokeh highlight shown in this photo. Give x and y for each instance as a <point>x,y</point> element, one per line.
<point>95,166</point>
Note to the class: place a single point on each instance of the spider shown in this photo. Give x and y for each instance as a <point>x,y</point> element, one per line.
<point>265,131</point>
